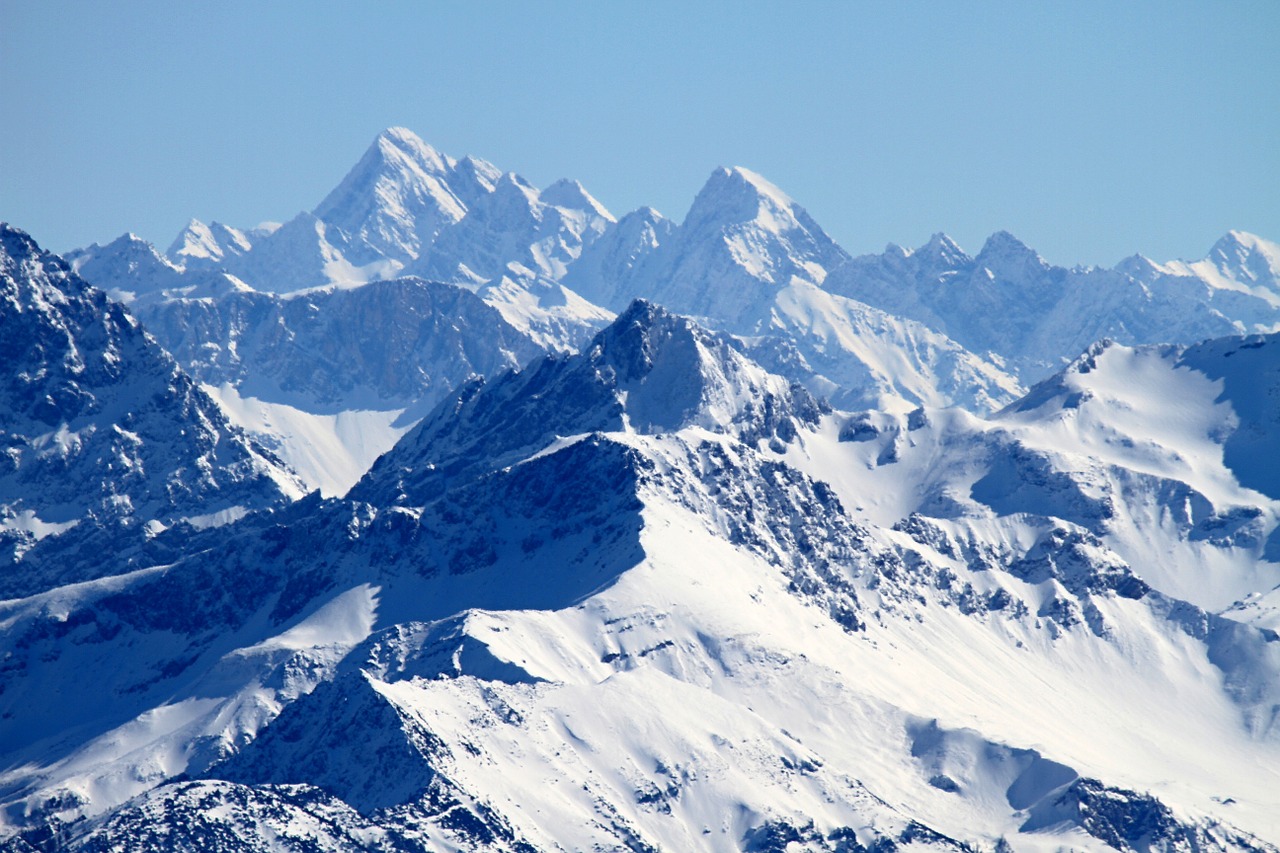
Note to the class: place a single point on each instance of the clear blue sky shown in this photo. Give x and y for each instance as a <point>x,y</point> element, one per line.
<point>1089,129</point>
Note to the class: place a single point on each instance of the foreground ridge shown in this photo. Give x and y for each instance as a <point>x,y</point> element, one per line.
<point>651,596</point>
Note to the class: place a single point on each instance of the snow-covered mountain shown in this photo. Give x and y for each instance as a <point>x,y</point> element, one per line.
<point>932,326</point>
<point>650,596</point>
<point>107,441</point>
<point>746,260</point>
<point>1035,316</point>
<point>131,271</point>
<point>622,578</point>
<point>516,224</point>
<point>212,246</point>
<point>403,194</point>
<point>331,377</point>
<point>604,273</point>
<point>286,325</point>
<point>406,208</point>
<point>742,240</point>
<point>749,261</point>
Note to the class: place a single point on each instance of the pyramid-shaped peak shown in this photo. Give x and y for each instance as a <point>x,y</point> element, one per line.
<point>572,195</point>
<point>739,184</point>
<point>1241,243</point>
<point>942,249</point>
<point>16,246</point>
<point>398,197</point>
<point>943,244</point>
<point>1138,266</point>
<point>646,337</point>
<point>758,182</point>
<point>194,232</point>
<point>1002,242</point>
<point>642,314</point>
<point>645,214</point>
<point>1246,256</point>
<point>645,314</point>
<point>400,141</point>
<point>733,196</point>
<point>1002,249</point>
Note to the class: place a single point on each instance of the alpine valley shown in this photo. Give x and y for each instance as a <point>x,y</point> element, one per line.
<point>458,514</point>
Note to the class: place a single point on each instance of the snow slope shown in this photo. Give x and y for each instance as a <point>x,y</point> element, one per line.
<point>749,261</point>
<point>302,370</point>
<point>107,440</point>
<point>640,597</point>
<point>1009,301</point>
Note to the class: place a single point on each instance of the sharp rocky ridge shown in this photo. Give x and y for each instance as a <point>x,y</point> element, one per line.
<point>676,536</point>
<point>107,441</point>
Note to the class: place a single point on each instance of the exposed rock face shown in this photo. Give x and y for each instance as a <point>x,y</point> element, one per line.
<point>102,431</point>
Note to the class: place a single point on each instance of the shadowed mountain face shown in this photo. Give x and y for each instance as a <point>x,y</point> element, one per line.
<point>650,371</point>
<point>750,580</point>
<point>388,345</point>
<point>597,601</point>
<point>932,326</point>
<point>104,433</point>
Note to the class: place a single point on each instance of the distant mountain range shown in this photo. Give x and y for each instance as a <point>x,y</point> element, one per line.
<point>632,535</point>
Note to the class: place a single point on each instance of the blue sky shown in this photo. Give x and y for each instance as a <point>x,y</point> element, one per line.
<point>1089,129</point>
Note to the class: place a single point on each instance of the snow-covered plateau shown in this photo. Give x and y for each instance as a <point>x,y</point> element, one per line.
<point>457,514</point>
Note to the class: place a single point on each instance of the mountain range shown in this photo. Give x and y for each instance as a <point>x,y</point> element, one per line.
<point>620,533</point>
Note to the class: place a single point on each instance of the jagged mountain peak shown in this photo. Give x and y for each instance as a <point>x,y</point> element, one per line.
<point>473,179</point>
<point>133,244</point>
<point>512,188</point>
<point>742,241</point>
<point>605,272</point>
<point>398,197</point>
<point>20,253</point>
<point>516,226</point>
<point>1004,244</point>
<point>643,224</point>
<point>195,240</point>
<point>650,371</point>
<point>737,195</point>
<point>736,202</point>
<point>942,249</point>
<point>1247,257</point>
<point>571,194</point>
<point>396,142</point>
<point>208,245</point>
<point>128,264</point>
<point>631,342</point>
<point>479,166</point>
<point>1009,259</point>
<point>103,431</point>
